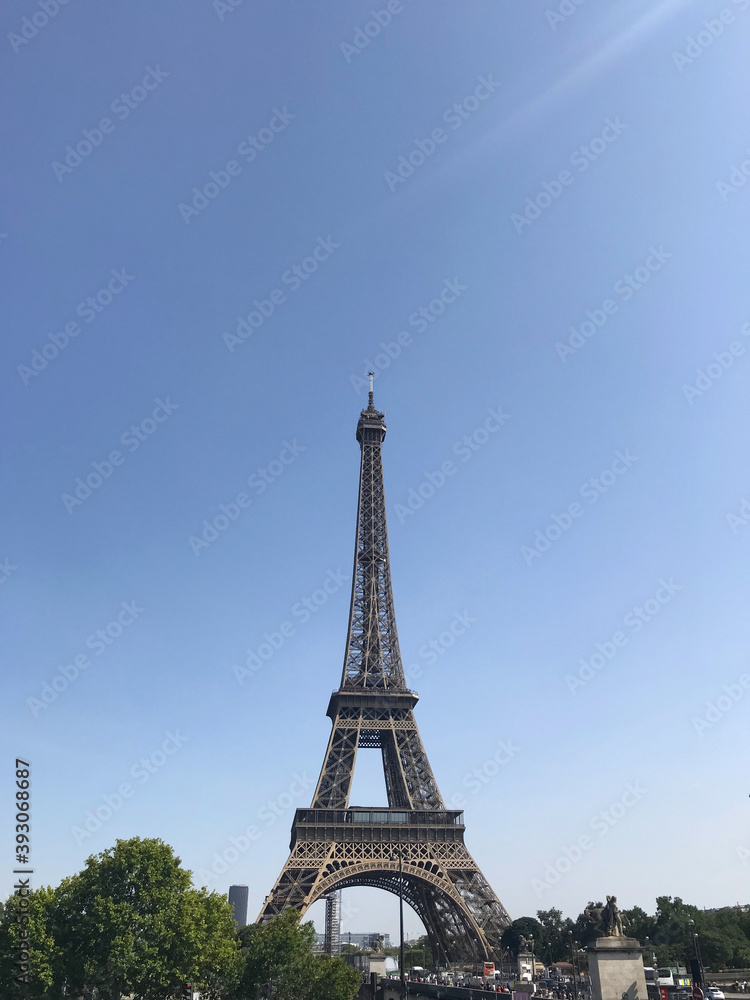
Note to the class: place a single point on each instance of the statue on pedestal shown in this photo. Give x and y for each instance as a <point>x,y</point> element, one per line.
<point>612,918</point>
<point>604,921</point>
<point>615,960</point>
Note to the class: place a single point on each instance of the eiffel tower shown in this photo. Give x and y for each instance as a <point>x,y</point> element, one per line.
<point>414,846</point>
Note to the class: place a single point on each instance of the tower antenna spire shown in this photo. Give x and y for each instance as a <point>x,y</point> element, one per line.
<point>371,401</point>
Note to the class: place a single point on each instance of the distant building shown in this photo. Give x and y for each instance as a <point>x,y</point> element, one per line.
<point>359,940</point>
<point>332,943</point>
<point>238,902</point>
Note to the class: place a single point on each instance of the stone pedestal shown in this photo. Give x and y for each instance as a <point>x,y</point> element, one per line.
<point>616,969</point>
<point>377,965</point>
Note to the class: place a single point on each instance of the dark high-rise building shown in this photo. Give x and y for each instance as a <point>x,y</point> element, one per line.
<point>238,902</point>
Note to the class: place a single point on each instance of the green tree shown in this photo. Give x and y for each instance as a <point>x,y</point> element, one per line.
<point>34,920</point>
<point>280,952</point>
<point>131,923</point>
<point>557,936</point>
<point>639,925</point>
<point>673,935</point>
<point>332,979</point>
<point>723,939</point>
<point>526,927</point>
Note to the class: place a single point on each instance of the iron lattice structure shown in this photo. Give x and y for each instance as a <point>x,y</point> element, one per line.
<point>335,847</point>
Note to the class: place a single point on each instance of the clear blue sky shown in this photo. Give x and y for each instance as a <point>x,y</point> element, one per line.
<point>581,151</point>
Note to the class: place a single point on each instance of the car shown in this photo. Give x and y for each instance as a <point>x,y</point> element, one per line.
<point>713,993</point>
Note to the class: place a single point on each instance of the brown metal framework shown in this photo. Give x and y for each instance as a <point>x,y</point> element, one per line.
<point>335,847</point>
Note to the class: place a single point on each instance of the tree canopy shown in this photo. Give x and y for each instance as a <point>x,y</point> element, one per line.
<point>723,934</point>
<point>131,923</point>
<point>280,952</point>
